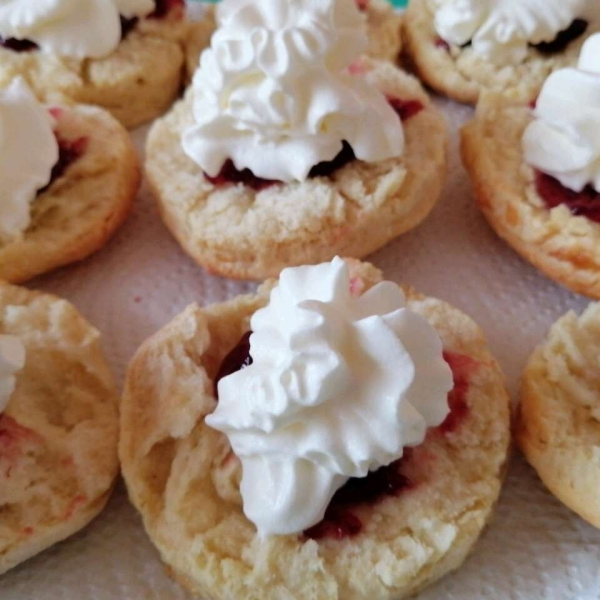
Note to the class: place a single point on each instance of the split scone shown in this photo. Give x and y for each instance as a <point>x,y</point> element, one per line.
<point>383,27</point>
<point>68,178</point>
<point>58,423</point>
<point>536,172</point>
<point>294,160</point>
<point>126,56</point>
<point>365,439</point>
<point>559,422</point>
<point>464,47</point>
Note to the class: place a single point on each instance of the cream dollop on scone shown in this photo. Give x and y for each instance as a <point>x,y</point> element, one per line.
<point>274,94</point>
<point>68,178</point>
<point>12,360</point>
<point>124,55</point>
<point>563,140</point>
<point>291,147</point>
<point>24,124</point>
<point>74,28</point>
<point>536,172</point>
<point>338,386</point>
<point>465,47</point>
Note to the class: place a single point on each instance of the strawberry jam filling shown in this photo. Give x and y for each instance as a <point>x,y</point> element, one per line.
<point>163,8</point>
<point>583,204</point>
<point>340,520</point>
<point>229,173</point>
<point>68,152</point>
<point>577,28</point>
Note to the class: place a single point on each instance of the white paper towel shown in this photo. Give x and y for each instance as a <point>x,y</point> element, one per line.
<point>534,549</point>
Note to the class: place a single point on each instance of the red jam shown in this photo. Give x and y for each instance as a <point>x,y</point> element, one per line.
<point>389,481</point>
<point>68,152</point>
<point>362,5</point>
<point>164,7</point>
<point>229,173</point>
<point>239,358</point>
<point>462,367</point>
<point>12,436</point>
<point>577,28</point>
<point>584,204</point>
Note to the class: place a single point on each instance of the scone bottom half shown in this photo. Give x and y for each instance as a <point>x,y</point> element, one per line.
<point>59,431</point>
<point>136,83</point>
<point>243,227</point>
<point>387,535</point>
<point>554,228</point>
<point>91,192</point>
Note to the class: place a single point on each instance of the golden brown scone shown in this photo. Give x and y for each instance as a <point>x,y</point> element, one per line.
<point>563,246</point>
<point>183,478</point>
<point>237,232</point>
<point>559,422</point>
<point>82,208</point>
<point>383,23</point>
<point>58,435</point>
<point>136,83</point>
<point>462,74</point>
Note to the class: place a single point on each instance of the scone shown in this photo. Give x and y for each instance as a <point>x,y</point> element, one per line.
<point>385,535</point>
<point>69,177</point>
<point>83,54</point>
<point>59,429</point>
<point>559,422</point>
<point>536,173</point>
<point>464,47</point>
<point>293,154</point>
<point>385,40</point>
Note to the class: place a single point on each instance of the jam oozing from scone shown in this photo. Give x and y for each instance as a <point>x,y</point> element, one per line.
<point>583,204</point>
<point>18,45</point>
<point>164,7</point>
<point>577,28</point>
<point>68,152</point>
<point>13,438</point>
<point>340,521</point>
<point>229,173</point>
<point>238,359</point>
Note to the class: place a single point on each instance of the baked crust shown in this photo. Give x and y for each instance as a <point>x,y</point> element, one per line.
<point>79,212</point>
<point>239,233</point>
<point>462,75</point>
<point>136,83</point>
<point>383,23</point>
<point>559,421</point>
<point>58,435</point>
<point>563,246</point>
<point>184,480</point>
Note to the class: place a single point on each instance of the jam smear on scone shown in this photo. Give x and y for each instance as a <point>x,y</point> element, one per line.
<point>583,204</point>
<point>405,109</point>
<point>577,28</point>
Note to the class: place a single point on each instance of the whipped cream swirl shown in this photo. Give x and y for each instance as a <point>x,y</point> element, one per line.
<point>564,139</point>
<point>12,360</point>
<point>273,92</point>
<point>28,151</point>
<point>74,28</point>
<point>501,30</point>
<point>339,385</point>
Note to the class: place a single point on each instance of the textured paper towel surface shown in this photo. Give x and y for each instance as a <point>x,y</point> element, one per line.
<point>534,549</point>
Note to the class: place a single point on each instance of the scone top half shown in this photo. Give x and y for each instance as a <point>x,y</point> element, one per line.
<point>58,423</point>
<point>463,48</point>
<point>302,149</point>
<point>536,172</point>
<point>318,439</point>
